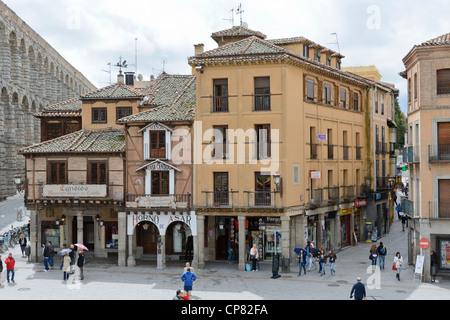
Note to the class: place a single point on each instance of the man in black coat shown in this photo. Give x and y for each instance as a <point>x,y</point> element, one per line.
<point>359,289</point>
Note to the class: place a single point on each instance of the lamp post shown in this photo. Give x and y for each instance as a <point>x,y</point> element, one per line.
<point>277,180</point>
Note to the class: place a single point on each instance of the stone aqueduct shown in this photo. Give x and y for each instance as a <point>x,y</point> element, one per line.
<point>32,75</point>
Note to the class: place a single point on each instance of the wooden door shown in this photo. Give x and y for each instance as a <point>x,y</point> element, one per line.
<point>160,183</point>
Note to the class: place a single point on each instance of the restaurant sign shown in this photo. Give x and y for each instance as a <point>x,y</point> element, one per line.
<point>162,221</point>
<point>75,191</point>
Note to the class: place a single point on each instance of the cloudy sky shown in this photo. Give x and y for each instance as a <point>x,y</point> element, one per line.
<point>90,34</point>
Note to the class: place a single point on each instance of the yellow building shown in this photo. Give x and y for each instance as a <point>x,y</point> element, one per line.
<point>283,147</point>
<point>428,150</point>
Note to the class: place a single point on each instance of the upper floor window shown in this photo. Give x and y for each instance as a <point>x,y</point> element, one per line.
<point>123,112</point>
<point>262,93</point>
<point>443,81</point>
<point>220,103</point>
<point>306,51</point>
<point>355,101</point>
<point>310,90</point>
<point>415,86</point>
<point>57,173</point>
<point>343,98</point>
<point>97,173</point>
<point>220,144</point>
<point>99,115</point>
<point>263,141</point>
<point>327,92</point>
<point>157,144</point>
<point>382,104</point>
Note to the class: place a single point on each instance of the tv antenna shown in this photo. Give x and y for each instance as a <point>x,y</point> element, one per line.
<point>239,11</point>
<point>231,17</point>
<point>337,41</point>
<point>108,71</point>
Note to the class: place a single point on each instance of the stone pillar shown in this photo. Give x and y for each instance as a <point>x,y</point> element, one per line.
<point>35,245</point>
<point>131,261</point>
<point>242,244</point>
<point>161,253</point>
<point>201,241</point>
<point>285,236</point>
<point>122,229</point>
<point>80,230</point>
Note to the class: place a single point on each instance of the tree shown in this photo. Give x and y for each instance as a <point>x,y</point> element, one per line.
<point>400,121</point>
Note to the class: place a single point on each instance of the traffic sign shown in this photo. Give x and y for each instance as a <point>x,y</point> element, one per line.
<point>424,243</point>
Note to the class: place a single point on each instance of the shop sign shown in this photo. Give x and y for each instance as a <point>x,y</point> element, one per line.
<point>361,203</point>
<point>315,175</point>
<point>162,221</point>
<point>75,191</point>
<point>321,137</point>
<point>346,211</point>
<point>156,202</point>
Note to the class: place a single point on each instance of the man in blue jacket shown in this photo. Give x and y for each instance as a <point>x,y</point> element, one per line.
<point>359,290</point>
<point>188,278</point>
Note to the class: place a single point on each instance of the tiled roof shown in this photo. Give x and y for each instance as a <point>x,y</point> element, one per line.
<point>312,44</point>
<point>251,48</point>
<point>68,108</point>
<point>237,31</point>
<point>438,41</point>
<point>173,98</point>
<point>114,91</point>
<point>85,140</point>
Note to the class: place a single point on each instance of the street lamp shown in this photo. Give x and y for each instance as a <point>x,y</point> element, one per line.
<point>278,184</point>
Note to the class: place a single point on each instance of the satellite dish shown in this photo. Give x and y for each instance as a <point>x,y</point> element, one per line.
<point>245,24</point>
<point>140,77</point>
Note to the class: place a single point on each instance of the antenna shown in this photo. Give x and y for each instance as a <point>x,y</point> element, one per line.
<point>337,41</point>
<point>231,17</point>
<point>109,64</point>
<point>135,53</point>
<point>239,11</point>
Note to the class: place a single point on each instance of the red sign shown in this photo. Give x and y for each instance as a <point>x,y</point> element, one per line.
<point>315,174</point>
<point>424,243</point>
<point>361,203</point>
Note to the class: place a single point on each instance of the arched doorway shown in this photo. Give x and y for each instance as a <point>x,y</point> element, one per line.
<point>179,241</point>
<point>147,235</point>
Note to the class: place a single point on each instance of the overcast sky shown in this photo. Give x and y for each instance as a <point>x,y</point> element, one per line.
<point>92,33</point>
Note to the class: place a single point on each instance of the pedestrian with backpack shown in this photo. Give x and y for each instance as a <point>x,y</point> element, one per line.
<point>382,251</point>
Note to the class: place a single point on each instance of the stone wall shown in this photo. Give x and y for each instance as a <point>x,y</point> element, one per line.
<point>32,76</point>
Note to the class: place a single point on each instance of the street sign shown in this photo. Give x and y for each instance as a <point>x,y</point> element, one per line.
<point>315,175</point>
<point>424,243</point>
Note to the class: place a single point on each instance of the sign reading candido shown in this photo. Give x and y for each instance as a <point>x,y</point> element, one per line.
<point>75,191</point>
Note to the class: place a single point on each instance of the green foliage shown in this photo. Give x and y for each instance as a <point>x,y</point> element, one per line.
<point>402,127</point>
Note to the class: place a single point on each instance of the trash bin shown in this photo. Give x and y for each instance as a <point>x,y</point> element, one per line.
<point>275,266</point>
<point>28,251</point>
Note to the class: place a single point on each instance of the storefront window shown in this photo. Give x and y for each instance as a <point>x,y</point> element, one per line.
<point>444,256</point>
<point>51,233</point>
<point>112,235</point>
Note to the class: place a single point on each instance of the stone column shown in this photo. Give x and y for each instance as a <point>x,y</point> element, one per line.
<point>80,230</point>
<point>122,229</point>
<point>285,236</point>
<point>242,244</point>
<point>35,245</point>
<point>131,261</point>
<point>201,241</point>
<point>161,253</point>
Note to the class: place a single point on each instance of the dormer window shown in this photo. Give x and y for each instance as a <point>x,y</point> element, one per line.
<point>306,51</point>
<point>157,141</point>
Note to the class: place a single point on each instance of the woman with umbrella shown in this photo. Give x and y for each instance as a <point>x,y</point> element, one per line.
<point>65,265</point>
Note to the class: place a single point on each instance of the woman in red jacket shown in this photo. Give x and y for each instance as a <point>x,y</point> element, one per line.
<point>10,262</point>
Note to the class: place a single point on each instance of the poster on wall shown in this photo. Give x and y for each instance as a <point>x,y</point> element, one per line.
<point>445,254</point>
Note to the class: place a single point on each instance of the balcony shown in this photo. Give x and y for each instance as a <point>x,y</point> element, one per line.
<point>440,153</point>
<point>408,208</point>
<point>392,149</point>
<point>220,104</point>
<point>411,154</point>
<point>261,199</point>
<point>333,194</point>
<point>219,199</point>
<point>316,197</point>
<point>347,193</point>
<point>439,210</point>
<point>159,202</point>
<point>346,152</point>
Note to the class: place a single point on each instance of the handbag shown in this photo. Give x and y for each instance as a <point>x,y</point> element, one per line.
<point>394,267</point>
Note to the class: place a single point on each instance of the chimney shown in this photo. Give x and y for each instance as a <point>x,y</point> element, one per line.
<point>199,48</point>
<point>120,78</point>
<point>129,78</point>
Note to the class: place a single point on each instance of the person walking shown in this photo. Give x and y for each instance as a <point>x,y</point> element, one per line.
<point>254,257</point>
<point>10,263</point>
<point>72,258</point>
<point>382,251</point>
<point>434,264</point>
<point>398,262</point>
<point>322,261</point>
<point>302,262</point>
<point>359,289</point>
<point>1,270</point>
<point>80,263</point>
<point>188,278</point>
<point>66,266</point>
<point>373,254</point>
<point>48,256</point>
<point>404,220</point>
<point>188,266</point>
<point>332,260</point>
<point>23,244</point>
